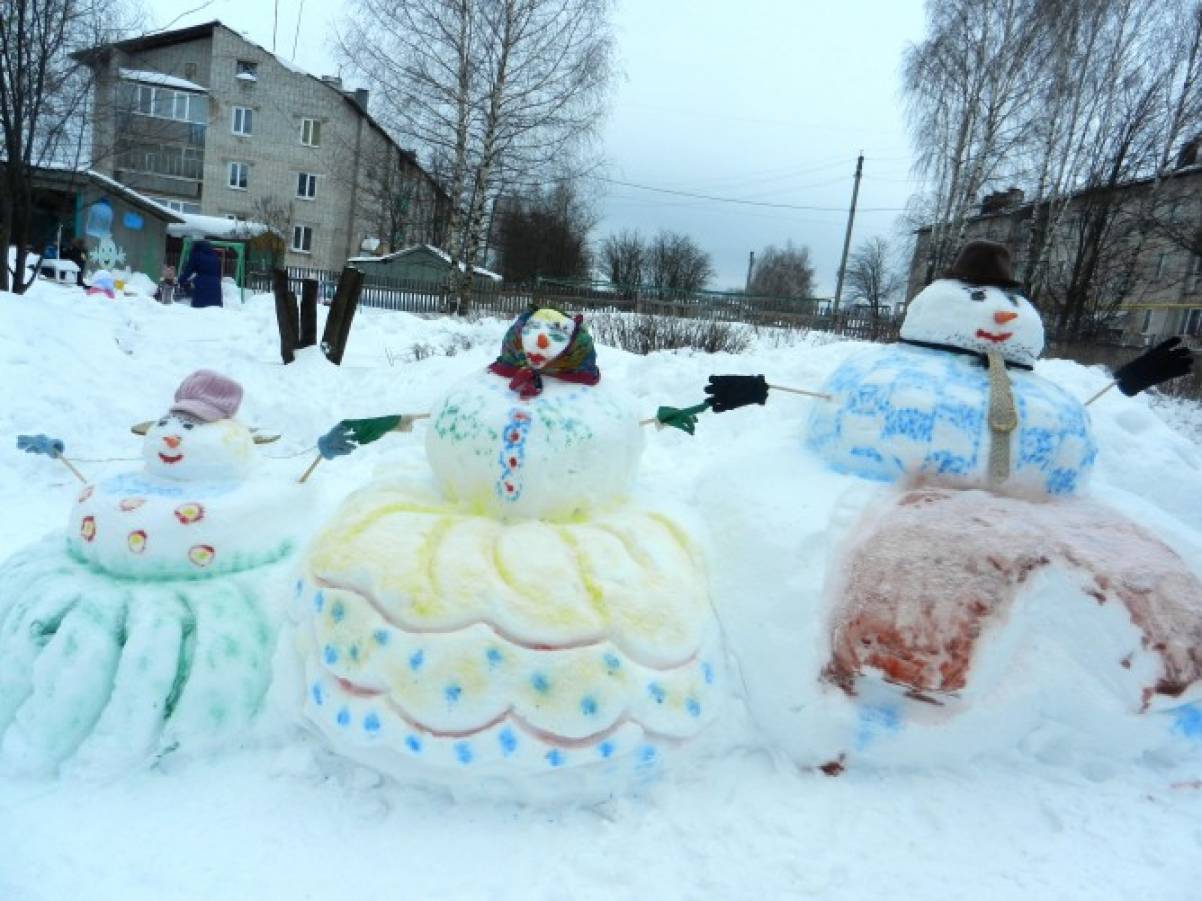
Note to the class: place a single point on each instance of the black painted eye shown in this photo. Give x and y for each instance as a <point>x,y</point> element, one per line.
<point>163,421</point>
<point>1012,297</point>
<point>189,425</point>
<point>977,294</point>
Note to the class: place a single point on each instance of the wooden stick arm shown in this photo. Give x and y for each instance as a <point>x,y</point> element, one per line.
<point>1099,394</point>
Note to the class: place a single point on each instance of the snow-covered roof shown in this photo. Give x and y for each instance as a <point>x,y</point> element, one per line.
<point>197,226</point>
<point>437,251</point>
<point>169,81</point>
<point>172,217</point>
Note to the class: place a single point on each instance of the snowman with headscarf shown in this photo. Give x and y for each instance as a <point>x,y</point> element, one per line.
<point>975,598</point>
<point>520,619</point>
<point>149,627</point>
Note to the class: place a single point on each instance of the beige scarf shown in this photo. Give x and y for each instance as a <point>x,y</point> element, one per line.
<point>1003,419</point>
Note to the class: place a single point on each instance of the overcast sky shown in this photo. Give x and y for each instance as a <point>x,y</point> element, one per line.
<point>766,100</point>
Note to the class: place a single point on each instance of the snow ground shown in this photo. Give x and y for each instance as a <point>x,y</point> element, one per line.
<point>285,820</point>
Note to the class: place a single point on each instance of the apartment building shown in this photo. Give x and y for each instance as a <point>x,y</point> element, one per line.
<point>206,121</point>
<point>1151,274</point>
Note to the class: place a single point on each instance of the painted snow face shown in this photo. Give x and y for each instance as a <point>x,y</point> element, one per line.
<point>981,318</point>
<point>183,448</point>
<point>545,336</point>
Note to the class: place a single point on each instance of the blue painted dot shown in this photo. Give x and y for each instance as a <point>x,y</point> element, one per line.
<point>353,650</point>
<point>330,655</point>
<point>606,749</point>
<point>540,683</point>
<point>588,706</point>
<point>707,673</point>
<point>1188,721</point>
<point>463,752</point>
<point>319,601</point>
<point>612,662</point>
<point>381,636</point>
<point>647,754</point>
<point>692,707</point>
<point>318,695</point>
<point>416,659</point>
<point>452,693</point>
<point>555,757</point>
<point>337,611</point>
<point>508,740</point>
<point>371,723</point>
<point>300,587</point>
<point>494,657</point>
<point>414,744</point>
<point>344,717</point>
<point>656,691</point>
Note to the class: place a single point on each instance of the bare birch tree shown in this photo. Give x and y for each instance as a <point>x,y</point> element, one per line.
<point>871,277</point>
<point>1105,92</point>
<point>502,90</point>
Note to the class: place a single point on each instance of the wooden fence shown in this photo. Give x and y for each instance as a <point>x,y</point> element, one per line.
<point>507,300</point>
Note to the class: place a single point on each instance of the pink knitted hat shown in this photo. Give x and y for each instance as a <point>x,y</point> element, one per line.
<point>208,396</point>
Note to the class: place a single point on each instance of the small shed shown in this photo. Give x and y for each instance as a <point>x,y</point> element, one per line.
<point>419,263</point>
<point>119,228</point>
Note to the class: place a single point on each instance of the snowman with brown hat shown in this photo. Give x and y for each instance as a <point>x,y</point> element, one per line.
<point>978,599</point>
<point>151,627</point>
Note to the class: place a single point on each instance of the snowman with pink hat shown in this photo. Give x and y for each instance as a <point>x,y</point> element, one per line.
<point>151,625</point>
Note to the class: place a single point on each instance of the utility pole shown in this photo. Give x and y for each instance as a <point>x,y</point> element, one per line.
<point>750,267</point>
<point>851,217</point>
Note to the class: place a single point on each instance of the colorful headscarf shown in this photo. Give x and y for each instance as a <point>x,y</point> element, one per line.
<point>577,363</point>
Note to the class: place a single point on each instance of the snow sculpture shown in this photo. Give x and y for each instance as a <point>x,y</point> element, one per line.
<point>522,617</point>
<point>957,601</point>
<point>920,411</point>
<point>944,596</point>
<point>150,627</point>
<point>959,620</point>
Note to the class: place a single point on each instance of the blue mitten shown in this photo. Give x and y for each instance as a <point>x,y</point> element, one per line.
<point>337,442</point>
<point>41,444</point>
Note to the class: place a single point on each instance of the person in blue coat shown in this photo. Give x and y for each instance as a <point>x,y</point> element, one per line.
<point>203,271</point>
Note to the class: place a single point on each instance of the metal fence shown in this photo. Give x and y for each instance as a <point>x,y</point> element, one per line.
<point>507,300</point>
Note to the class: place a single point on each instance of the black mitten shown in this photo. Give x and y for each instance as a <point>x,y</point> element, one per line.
<point>729,392</point>
<point>1167,360</point>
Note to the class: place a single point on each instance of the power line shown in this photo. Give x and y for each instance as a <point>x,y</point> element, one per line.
<point>741,201</point>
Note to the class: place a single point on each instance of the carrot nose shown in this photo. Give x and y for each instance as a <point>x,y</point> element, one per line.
<point>1001,317</point>
<point>542,341</point>
<point>172,441</point>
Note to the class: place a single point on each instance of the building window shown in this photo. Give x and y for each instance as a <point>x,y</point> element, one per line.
<point>1193,323</point>
<point>180,206</point>
<point>1147,326</point>
<point>302,238</point>
<point>238,175</point>
<point>1161,263</point>
<point>306,185</point>
<point>246,70</point>
<point>311,132</point>
<point>166,103</point>
<point>243,120</point>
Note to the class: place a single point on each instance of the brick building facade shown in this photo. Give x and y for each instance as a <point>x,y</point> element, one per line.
<point>205,121</point>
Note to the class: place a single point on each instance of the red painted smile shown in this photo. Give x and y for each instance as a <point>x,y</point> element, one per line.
<point>536,359</point>
<point>995,338</point>
<point>170,459</point>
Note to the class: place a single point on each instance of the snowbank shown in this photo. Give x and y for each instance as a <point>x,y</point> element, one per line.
<point>743,824</point>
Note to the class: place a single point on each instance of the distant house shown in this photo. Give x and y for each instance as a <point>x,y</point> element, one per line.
<point>208,122</point>
<point>120,228</point>
<point>419,263</point>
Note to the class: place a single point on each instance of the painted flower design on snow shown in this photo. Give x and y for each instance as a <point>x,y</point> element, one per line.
<point>189,513</point>
<point>131,503</point>
<point>87,528</point>
<point>137,541</point>
<point>85,494</point>
<point>201,555</point>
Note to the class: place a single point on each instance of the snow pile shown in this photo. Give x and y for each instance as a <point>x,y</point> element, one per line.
<point>736,824</point>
